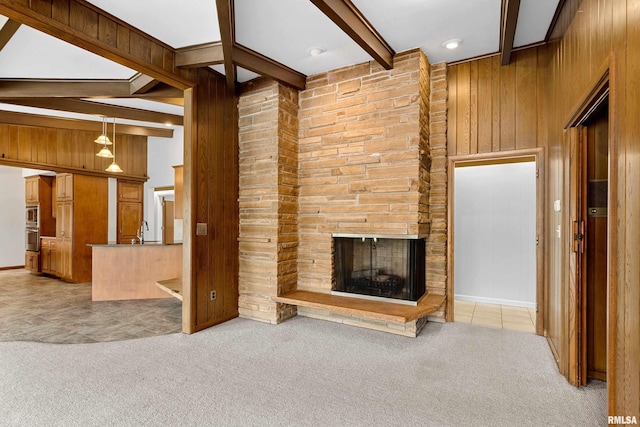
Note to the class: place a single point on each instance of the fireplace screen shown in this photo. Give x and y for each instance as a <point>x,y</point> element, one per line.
<point>382,267</point>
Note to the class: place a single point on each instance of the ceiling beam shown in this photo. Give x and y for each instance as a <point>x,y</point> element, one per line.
<point>24,119</point>
<point>201,55</point>
<point>84,25</point>
<point>142,83</point>
<point>510,13</point>
<point>8,30</point>
<point>346,16</point>
<point>226,20</point>
<point>253,61</point>
<point>56,88</point>
<point>97,108</point>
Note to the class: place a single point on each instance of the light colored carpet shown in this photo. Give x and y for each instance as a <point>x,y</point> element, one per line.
<point>304,372</point>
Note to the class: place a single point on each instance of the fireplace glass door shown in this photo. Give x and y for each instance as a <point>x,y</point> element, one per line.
<point>380,267</point>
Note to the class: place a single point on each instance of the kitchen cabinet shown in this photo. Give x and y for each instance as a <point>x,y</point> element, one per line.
<point>81,219</point>
<point>64,186</point>
<point>32,261</point>
<point>48,255</point>
<point>39,192</point>
<point>129,220</point>
<point>129,191</point>
<point>31,193</point>
<point>178,191</point>
<point>130,210</point>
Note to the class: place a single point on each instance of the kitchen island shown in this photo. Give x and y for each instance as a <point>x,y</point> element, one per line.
<point>124,272</point>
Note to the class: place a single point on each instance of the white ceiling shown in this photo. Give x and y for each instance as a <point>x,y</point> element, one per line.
<point>284,30</point>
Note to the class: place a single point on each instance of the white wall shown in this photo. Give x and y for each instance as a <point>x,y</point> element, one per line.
<point>11,217</point>
<point>495,234</point>
<point>162,155</point>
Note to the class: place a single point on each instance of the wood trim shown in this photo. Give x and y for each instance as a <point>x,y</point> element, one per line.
<point>12,267</point>
<point>33,120</point>
<point>165,188</point>
<point>84,25</point>
<point>54,88</point>
<point>8,30</point>
<point>66,169</point>
<point>142,83</point>
<point>253,61</point>
<point>226,21</point>
<point>201,55</point>
<point>554,20</point>
<point>88,107</point>
<point>189,223</point>
<point>347,16</point>
<point>512,7</point>
<point>502,157</point>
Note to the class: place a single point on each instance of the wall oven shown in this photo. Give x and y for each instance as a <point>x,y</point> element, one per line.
<point>32,216</point>
<point>32,239</point>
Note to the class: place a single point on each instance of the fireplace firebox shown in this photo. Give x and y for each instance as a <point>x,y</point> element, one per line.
<point>379,267</point>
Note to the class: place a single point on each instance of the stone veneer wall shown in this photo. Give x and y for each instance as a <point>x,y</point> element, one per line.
<point>268,157</point>
<point>371,159</point>
<point>363,158</point>
<point>437,238</point>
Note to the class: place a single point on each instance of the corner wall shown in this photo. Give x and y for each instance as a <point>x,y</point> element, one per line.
<point>268,134</point>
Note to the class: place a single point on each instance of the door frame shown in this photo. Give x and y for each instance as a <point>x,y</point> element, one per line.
<point>538,156</point>
<point>574,328</point>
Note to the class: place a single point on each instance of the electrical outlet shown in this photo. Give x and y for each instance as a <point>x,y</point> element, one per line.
<point>213,295</point>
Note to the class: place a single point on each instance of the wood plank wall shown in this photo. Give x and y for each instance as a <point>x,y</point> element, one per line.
<point>211,191</point>
<point>491,109</point>
<point>606,34</point>
<point>494,108</point>
<point>64,150</point>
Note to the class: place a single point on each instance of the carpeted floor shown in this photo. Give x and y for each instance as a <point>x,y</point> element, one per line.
<point>304,372</point>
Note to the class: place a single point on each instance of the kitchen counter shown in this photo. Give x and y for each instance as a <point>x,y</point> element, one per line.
<point>123,272</point>
<point>149,243</point>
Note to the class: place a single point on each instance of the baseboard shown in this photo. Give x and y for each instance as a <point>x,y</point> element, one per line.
<point>497,301</point>
<point>12,267</point>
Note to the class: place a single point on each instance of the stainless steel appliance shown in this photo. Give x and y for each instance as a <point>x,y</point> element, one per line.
<point>32,239</point>
<point>32,216</point>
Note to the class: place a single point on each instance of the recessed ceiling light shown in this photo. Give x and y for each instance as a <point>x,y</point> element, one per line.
<point>452,44</point>
<point>315,51</point>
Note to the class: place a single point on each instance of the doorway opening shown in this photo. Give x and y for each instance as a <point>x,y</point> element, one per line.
<point>496,220</point>
<point>589,193</point>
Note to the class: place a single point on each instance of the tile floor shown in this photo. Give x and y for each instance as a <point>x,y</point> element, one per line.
<point>495,316</point>
<point>43,309</point>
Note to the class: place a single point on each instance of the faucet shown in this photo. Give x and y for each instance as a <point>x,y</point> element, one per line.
<point>140,233</point>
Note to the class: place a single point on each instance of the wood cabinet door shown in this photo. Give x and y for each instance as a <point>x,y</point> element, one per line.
<point>31,261</point>
<point>31,193</point>
<point>129,220</point>
<point>64,186</point>
<point>129,191</point>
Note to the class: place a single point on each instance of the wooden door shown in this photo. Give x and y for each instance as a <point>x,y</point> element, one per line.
<point>31,191</point>
<point>596,299</point>
<point>129,220</point>
<point>167,221</point>
<point>575,294</point>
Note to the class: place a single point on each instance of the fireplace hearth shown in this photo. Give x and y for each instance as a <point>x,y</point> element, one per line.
<point>379,267</point>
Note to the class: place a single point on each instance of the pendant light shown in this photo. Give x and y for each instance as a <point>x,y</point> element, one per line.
<point>103,138</point>
<point>113,167</point>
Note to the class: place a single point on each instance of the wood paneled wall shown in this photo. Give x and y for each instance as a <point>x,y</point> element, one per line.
<point>605,34</point>
<point>211,192</point>
<point>528,104</point>
<point>494,108</point>
<point>64,150</point>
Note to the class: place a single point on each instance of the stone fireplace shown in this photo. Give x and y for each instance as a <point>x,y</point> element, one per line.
<point>360,151</point>
<point>379,267</point>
